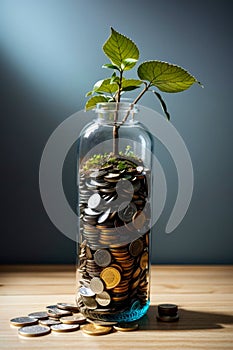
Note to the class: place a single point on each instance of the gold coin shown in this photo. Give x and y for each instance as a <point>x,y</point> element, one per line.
<point>144,261</point>
<point>92,329</point>
<point>111,276</point>
<point>126,327</point>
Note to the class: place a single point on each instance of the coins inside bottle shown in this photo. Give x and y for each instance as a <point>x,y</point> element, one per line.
<point>114,239</point>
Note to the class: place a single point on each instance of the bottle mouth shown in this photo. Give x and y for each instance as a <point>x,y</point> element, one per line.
<point>114,107</point>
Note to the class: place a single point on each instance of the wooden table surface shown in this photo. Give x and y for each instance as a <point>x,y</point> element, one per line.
<point>204,295</point>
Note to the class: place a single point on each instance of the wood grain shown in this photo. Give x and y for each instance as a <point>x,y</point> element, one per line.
<point>204,295</point>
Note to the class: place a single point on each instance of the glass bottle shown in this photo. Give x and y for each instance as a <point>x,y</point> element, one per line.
<point>114,210</point>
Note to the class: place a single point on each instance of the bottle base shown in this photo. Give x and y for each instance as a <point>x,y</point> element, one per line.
<point>134,313</point>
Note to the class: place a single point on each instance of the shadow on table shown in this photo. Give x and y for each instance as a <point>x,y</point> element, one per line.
<point>189,320</point>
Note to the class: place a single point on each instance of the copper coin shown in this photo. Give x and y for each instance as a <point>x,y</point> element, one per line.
<point>144,261</point>
<point>136,247</point>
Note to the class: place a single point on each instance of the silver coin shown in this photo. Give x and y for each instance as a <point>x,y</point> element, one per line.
<point>40,315</point>
<point>49,322</point>
<point>65,327</point>
<point>102,257</point>
<point>23,321</point>
<point>96,285</point>
<point>56,312</point>
<point>94,201</point>
<point>104,216</point>
<point>103,298</point>
<point>34,331</point>
<point>67,306</point>
<point>86,292</point>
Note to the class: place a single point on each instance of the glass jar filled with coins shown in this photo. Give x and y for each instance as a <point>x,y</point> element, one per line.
<point>114,210</point>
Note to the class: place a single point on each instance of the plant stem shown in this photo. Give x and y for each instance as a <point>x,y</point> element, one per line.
<point>115,134</point>
<point>135,101</point>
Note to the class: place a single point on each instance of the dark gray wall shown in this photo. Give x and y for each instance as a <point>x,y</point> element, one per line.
<point>51,55</point>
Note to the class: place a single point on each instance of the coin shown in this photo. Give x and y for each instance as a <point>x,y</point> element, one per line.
<point>67,306</point>
<point>34,331</point>
<point>75,319</point>
<point>144,261</point>
<point>126,211</point>
<point>102,257</point>
<point>40,315</point>
<point>23,321</point>
<point>56,312</point>
<point>49,322</point>
<point>103,299</point>
<point>96,285</point>
<point>102,218</point>
<point>94,201</point>
<point>90,302</point>
<point>136,247</point>
<point>62,327</point>
<point>111,276</point>
<point>92,329</point>
<point>139,220</point>
<point>91,212</point>
<point>86,292</point>
<point>126,327</point>
<point>167,309</point>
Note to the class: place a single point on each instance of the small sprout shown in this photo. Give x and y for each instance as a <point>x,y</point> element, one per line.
<point>121,165</point>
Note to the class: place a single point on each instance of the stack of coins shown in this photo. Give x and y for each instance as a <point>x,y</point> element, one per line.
<point>114,238</point>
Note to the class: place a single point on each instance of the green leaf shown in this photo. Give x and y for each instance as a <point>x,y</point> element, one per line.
<point>119,48</point>
<point>127,62</point>
<point>110,66</point>
<point>91,103</point>
<point>105,85</point>
<point>130,84</point>
<point>165,76</point>
<point>89,93</point>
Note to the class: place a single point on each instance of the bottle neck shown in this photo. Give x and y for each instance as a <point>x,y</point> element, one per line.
<point>116,113</point>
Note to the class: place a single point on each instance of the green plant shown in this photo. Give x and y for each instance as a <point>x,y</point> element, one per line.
<point>124,54</point>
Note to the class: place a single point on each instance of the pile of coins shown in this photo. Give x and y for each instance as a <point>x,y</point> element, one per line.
<point>114,228</point>
<point>64,317</point>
